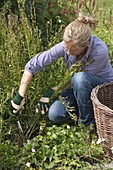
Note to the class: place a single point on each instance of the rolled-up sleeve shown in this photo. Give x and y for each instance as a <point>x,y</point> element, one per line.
<point>41,60</point>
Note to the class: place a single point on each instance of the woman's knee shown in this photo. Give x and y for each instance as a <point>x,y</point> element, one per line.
<point>80,79</point>
<point>57,112</point>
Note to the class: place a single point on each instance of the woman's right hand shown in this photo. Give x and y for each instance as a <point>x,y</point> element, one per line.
<point>17,103</point>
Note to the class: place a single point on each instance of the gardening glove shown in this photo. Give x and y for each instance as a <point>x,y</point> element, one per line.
<point>43,104</point>
<point>17,103</point>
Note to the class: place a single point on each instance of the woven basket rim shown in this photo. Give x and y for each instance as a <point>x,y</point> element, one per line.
<point>96,100</point>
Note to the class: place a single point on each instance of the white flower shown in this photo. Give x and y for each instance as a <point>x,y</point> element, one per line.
<point>41,128</point>
<point>28,164</point>
<point>59,20</point>
<point>68,127</point>
<point>100,140</point>
<point>54,135</point>
<point>48,22</point>
<point>64,132</point>
<point>33,150</point>
<point>93,142</point>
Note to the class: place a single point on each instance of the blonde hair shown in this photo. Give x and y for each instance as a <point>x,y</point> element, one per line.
<point>79,31</point>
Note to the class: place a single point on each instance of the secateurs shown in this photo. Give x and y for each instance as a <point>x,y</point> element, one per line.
<point>18,122</point>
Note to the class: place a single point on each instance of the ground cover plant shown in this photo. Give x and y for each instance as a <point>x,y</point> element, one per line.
<point>43,145</point>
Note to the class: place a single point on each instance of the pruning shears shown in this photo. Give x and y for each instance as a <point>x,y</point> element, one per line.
<point>18,122</point>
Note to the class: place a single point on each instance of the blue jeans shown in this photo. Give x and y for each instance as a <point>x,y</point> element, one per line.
<point>77,96</point>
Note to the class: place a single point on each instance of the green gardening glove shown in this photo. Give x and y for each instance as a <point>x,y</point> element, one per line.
<point>43,104</point>
<point>17,103</point>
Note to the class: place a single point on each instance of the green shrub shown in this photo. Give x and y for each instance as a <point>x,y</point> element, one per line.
<point>62,148</point>
<point>55,147</point>
<point>8,158</point>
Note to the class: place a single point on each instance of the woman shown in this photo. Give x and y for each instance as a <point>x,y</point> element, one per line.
<point>78,44</point>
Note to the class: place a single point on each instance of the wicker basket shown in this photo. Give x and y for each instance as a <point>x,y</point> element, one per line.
<point>102,99</point>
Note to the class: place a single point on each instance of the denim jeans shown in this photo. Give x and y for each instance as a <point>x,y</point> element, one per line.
<point>77,96</point>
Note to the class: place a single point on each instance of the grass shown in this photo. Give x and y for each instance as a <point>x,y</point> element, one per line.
<point>18,43</point>
<point>108,4</point>
<point>106,8</point>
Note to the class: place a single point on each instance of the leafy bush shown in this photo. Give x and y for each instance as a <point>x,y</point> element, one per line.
<point>61,147</point>
<point>43,145</point>
<point>106,34</point>
<point>8,159</point>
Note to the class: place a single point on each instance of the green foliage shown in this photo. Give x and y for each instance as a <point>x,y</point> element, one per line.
<point>8,159</point>
<point>61,147</point>
<point>43,12</point>
<point>56,147</point>
<point>105,32</point>
<point>66,82</point>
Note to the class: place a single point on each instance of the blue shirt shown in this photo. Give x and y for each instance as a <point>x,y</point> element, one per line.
<point>97,51</point>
